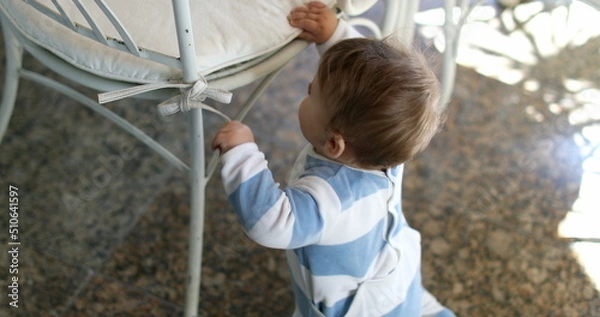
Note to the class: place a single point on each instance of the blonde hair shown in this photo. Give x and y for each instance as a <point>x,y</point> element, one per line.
<point>382,99</point>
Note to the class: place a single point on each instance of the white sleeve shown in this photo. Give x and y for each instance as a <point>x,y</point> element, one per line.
<point>240,164</point>
<point>342,31</point>
<point>273,217</point>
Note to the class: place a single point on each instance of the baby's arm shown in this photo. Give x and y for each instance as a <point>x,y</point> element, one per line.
<point>269,214</point>
<point>272,217</point>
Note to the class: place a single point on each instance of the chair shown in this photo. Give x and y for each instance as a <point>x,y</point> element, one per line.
<point>187,53</point>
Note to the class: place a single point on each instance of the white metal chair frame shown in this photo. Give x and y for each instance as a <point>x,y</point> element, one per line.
<point>398,14</point>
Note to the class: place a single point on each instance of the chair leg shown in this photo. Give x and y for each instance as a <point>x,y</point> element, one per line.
<point>14,58</point>
<point>449,63</point>
<point>197,194</point>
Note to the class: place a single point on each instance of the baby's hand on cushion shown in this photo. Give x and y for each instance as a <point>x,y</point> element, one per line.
<point>234,133</point>
<point>317,21</point>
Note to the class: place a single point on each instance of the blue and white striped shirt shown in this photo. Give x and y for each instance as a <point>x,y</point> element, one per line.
<point>350,250</point>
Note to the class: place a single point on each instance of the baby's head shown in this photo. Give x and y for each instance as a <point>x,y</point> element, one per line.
<point>380,104</point>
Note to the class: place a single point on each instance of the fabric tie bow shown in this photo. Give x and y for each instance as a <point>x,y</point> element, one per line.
<point>192,96</point>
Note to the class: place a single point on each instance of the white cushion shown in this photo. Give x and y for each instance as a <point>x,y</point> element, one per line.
<point>226,32</point>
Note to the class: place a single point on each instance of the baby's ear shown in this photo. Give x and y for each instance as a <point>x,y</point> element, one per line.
<point>335,145</point>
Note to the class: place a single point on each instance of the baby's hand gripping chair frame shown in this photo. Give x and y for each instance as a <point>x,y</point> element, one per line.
<point>187,86</point>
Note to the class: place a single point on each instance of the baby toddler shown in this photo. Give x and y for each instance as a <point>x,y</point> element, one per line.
<point>371,107</point>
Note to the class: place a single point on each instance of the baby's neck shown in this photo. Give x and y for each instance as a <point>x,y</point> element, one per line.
<point>349,160</point>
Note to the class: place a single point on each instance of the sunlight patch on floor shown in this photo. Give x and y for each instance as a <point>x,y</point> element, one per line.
<point>505,45</point>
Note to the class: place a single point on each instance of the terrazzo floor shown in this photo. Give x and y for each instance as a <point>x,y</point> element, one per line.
<point>103,220</point>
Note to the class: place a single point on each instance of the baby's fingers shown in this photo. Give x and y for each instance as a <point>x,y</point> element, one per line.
<point>306,36</point>
<point>312,10</point>
<point>302,13</point>
<point>307,25</point>
<point>317,21</point>
<point>231,135</point>
<point>316,5</point>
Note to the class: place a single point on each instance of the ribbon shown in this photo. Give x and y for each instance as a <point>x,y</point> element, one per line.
<point>192,96</point>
